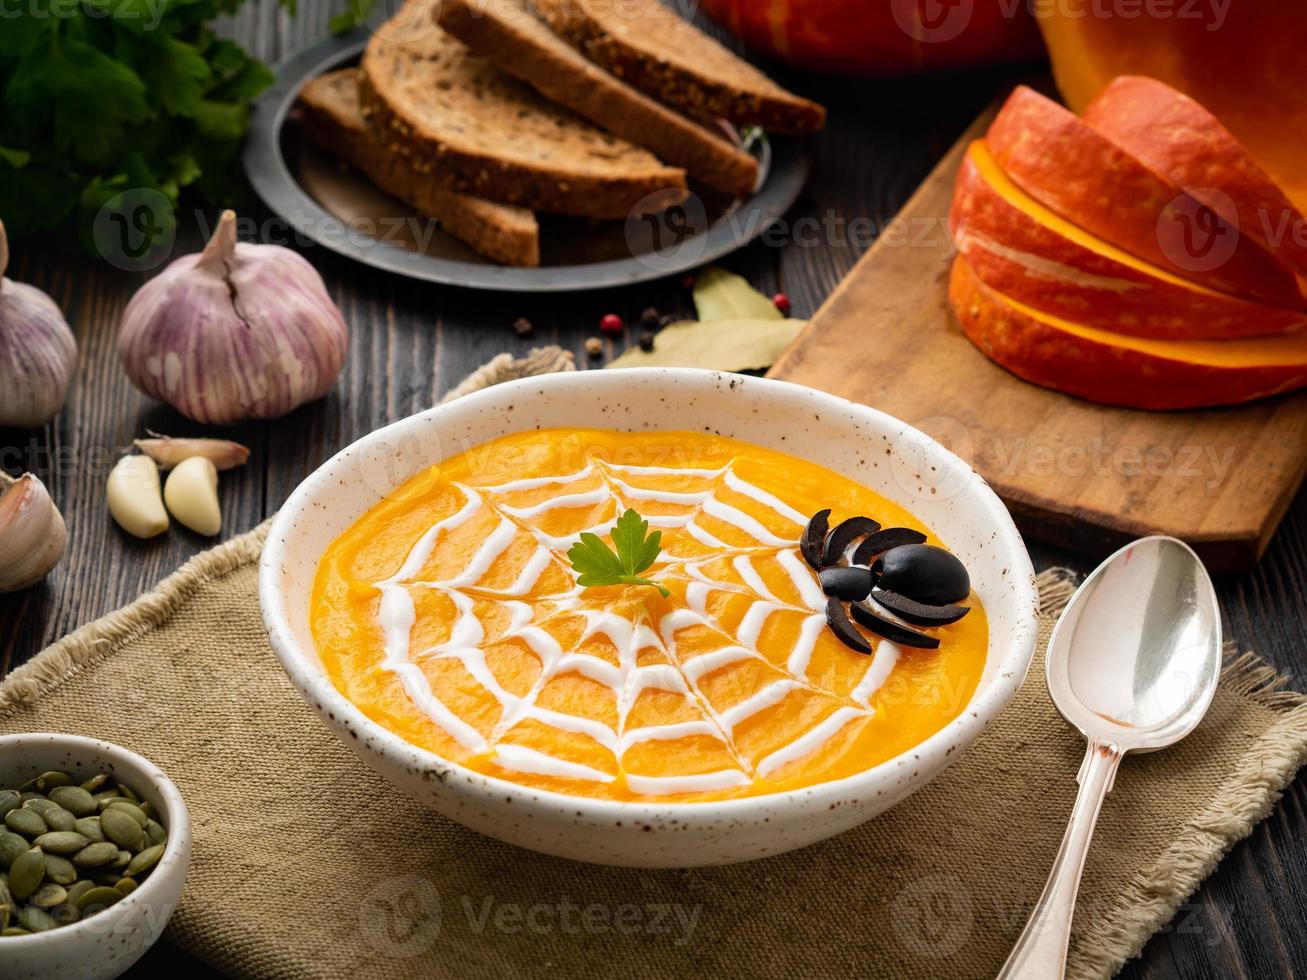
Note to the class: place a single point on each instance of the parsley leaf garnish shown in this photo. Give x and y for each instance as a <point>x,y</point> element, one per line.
<point>636,551</point>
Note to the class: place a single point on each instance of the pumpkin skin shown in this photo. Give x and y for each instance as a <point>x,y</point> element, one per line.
<point>882,37</point>
<point>1242,61</point>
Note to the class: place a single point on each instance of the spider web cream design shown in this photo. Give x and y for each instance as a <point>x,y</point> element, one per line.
<point>713,547</point>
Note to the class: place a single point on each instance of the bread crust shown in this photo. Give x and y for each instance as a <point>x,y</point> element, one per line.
<point>433,101</point>
<point>331,118</point>
<point>510,34</point>
<point>670,60</point>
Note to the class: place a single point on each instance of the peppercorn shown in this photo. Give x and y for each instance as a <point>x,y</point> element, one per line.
<point>523,327</point>
<point>782,303</point>
<point>646,341</point>
<point>594,347</point>
<point>611,324</point>
<point>649,318</point>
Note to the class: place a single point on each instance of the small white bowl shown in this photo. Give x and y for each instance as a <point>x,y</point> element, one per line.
<point>109,942</point>
<point>865,445</point>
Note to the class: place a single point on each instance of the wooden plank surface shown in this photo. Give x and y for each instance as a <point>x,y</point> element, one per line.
<point>1085,476</point>
<point>411,342</point>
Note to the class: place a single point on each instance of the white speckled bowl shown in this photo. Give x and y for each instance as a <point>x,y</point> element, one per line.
<point>108,943</point>
<point>861,443</point>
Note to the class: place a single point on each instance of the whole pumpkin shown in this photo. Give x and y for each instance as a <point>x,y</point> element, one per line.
<point>882,37</point>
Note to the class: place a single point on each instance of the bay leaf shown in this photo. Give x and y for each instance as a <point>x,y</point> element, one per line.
<point>731,344</point>
<point>722,295</point>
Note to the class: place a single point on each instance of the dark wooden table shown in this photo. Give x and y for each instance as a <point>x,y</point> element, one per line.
<point>411,342</point>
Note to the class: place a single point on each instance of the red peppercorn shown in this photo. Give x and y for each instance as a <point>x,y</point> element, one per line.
<point>782,303</point>
<point>612,324</point>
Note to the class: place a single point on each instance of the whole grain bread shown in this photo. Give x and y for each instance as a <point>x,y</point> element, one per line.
<point>330,116</point>
<point>509,33</point>
<point>451,111</point>
<point>670,59</point>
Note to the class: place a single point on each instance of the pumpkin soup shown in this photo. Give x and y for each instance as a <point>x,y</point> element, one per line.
<point>451,613</point>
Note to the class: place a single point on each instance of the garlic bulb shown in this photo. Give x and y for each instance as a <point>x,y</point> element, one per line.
<point>235,332</point>
<point>37,352</point>
<point>32,532</point>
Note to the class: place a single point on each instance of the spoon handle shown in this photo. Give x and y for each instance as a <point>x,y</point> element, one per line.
<point>1040,952</point>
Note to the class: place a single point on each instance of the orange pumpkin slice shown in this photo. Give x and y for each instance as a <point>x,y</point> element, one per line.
<point>1118,370</point>
<point>1063,162</point>
<point>1177,137</point>
<point>1025,251</point>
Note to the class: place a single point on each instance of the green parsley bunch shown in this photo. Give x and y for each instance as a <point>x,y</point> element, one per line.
<point>98,97</point>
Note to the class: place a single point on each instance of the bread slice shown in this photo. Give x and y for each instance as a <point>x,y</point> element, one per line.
<point>668,58</point>
<point>330,115</point>
<point>447,109</point>
<point>510,34</point>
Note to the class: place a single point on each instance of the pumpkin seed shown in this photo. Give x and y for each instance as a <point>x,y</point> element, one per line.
<point>78,889</point>
<point>104,875</point>
<point>95,855</point>
<point>49,895</point>
<point>62,842</point>
<point>59,869</point>
<point>74,799</point>
<point>119,826</point>
<point>10,799</point>
<point>89,827</point>
<point>26,873</point>
<point>25,822</point>
<point>6,910</point>
<point>49,780</point>
<point>125,790</point>
<point>106,796</point>
<point>126,886</point>
<point>14,931</point>
<point>144,861</point>
<point>148,809</point>
<point>155,832</point>
<point>96,899</point>
<point>95,782</point>
<point>57,818</point>
<point>35,919</point>
<point>11,845</point>
<point>131,809</point>
<point>40,804</point>
<point>28,793</point>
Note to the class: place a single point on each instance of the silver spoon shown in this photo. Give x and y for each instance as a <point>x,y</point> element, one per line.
<point>1133,664</point>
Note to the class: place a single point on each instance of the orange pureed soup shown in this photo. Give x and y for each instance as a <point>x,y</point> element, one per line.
<point>450,614</point>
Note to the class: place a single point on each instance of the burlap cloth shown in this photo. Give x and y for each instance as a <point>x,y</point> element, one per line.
<point>306,864</point>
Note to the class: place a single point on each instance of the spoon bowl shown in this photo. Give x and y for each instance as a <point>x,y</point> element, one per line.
<point>1136,656</point>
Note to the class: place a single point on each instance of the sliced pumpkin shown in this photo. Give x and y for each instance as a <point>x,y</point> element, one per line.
<point>1022,249</point>
<point>1180,139</point>
<point>1243,61</point>
<point>1117,370</point>
<point>1063,162</point>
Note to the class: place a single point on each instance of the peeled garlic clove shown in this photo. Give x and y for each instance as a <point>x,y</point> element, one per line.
<point>37,352</point>
<point>32,532</point>
<point>191,494</point>
<point>168,452</point>
<point>134,498</point>
<point>235,332</point>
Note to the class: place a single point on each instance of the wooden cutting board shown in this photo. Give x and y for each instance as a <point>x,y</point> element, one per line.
<point>1080,475</point>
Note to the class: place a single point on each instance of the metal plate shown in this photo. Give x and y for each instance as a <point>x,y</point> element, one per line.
<point>340,210</point>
